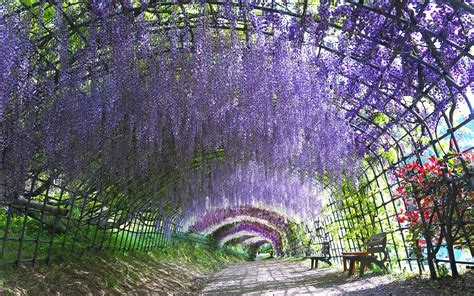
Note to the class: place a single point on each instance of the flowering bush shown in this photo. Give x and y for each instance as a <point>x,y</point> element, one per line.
<point>435,194</point>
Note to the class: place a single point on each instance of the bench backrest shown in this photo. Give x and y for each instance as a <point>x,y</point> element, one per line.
<point>377,243</point>
<point>325,249</point>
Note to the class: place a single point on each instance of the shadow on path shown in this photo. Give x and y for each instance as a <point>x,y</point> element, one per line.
<point>289,277</point>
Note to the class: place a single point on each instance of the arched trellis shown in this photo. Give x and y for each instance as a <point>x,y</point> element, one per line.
<point>215,217</point>
<point>275,7</point>
<point>241,239</point>
<point>376,169</point>
<point>220,219</point>
<point>244,229</point>
<point>385,200</point>
<point>249,241</point>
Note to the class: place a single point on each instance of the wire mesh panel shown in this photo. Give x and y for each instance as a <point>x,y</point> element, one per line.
<point>49,221</point>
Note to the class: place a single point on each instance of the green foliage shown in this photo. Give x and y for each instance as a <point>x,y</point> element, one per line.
<point>15,227</point>
<point>380,119</point>
<point>359,213</point>
<point>389,155</point>
<point>266,248</point>
<point>27,3</point>
<point>297,238</point>
<point>205,256</point>
<point>377,270</point>
<point>442,271</point>
<point>237,251</point>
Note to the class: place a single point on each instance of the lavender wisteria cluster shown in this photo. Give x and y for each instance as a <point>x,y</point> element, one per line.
<point>151,110</point>
<point>210,218</point>
<point>252,185</point>
<point>284,97</point>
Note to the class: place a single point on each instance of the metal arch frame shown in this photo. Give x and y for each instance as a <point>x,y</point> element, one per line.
<point>423,94</point>
<point>259,224</point>
<point>376,175</point>
<point>282,235</point>
<point>245,242</point>
<point>240,239</point>
<point>377,171</point>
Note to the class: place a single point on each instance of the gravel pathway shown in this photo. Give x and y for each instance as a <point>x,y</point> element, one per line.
<point>287,277</point>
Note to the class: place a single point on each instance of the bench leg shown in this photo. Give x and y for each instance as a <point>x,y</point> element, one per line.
<point>317,263</point>
<point>381,265</point>
<point>312,263</point>
<point>362,267</point>
<point>351,266</point>
<point>328,262</point>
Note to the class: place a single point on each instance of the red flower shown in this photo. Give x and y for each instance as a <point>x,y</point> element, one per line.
<point>401,189</point>
<point>421,242</point>
<point>412,165</point>
<point>401,218</point>
<point>420,178</point>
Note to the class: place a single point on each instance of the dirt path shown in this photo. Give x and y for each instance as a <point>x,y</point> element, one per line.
<point>284,277</point>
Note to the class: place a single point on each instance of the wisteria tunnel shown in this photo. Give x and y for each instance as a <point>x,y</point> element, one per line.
<point>338,130</point>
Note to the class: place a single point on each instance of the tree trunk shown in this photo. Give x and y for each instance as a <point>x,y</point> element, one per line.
<point>452,259</point>
<point>449,230</point>
<point>430,258</point>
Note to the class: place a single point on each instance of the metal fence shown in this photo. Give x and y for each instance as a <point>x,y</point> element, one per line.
<point>50,220</point>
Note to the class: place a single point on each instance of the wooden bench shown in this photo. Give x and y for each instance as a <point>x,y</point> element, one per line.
<point>346,255</point>
<point>376,247</point>
<point>324,256</point>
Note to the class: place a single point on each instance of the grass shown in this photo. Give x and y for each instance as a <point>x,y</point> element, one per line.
<point>175,268</point>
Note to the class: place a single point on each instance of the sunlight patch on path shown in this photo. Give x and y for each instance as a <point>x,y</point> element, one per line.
<point>285,277</point>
